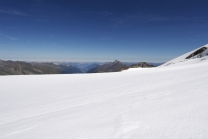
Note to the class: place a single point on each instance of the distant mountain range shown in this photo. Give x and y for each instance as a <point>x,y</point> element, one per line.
<point>82,66</point>
<point>22,68</point>
<point>69,69</point>
<point>109,67</point>
<point>117,66</point>
<point>142,65</point>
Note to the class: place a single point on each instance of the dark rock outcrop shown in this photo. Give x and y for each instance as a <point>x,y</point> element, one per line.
<point>199,51</point>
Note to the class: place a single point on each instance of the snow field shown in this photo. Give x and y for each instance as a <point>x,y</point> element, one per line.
<point>165,102</point>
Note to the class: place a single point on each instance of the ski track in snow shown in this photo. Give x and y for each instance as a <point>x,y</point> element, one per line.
<point>158,103</point>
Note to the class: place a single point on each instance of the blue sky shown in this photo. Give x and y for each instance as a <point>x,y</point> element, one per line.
<point>101,30</point>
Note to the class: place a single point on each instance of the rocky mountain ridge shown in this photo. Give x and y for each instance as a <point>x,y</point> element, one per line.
<point>117,66</point>
<point>109,67</point>
<point>141,65</point>
<point>26,68</point>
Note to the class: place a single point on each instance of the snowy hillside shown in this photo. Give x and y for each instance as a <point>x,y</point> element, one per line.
<point>200,53</point>
<point>155,103</point>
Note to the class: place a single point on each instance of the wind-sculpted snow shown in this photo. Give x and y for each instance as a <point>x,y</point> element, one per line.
<point>155,103</point>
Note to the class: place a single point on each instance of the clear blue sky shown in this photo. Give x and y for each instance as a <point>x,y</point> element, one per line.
<point>101,30</point>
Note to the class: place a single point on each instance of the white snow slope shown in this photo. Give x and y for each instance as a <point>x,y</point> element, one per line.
<point>157,103</point>
<point>178,61</point>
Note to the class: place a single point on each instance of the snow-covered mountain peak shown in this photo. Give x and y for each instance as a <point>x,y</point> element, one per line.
<point>198,54</point>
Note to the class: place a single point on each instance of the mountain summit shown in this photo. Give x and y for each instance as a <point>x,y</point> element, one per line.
<point>141,65</point>
<point>109,67</point>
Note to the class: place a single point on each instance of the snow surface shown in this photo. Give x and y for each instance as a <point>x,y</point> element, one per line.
<point>156,103</point>
<point>182,58</point>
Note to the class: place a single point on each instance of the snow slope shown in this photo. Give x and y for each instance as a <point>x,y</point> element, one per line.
<point>182,58</point>
<point>156,103</point>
